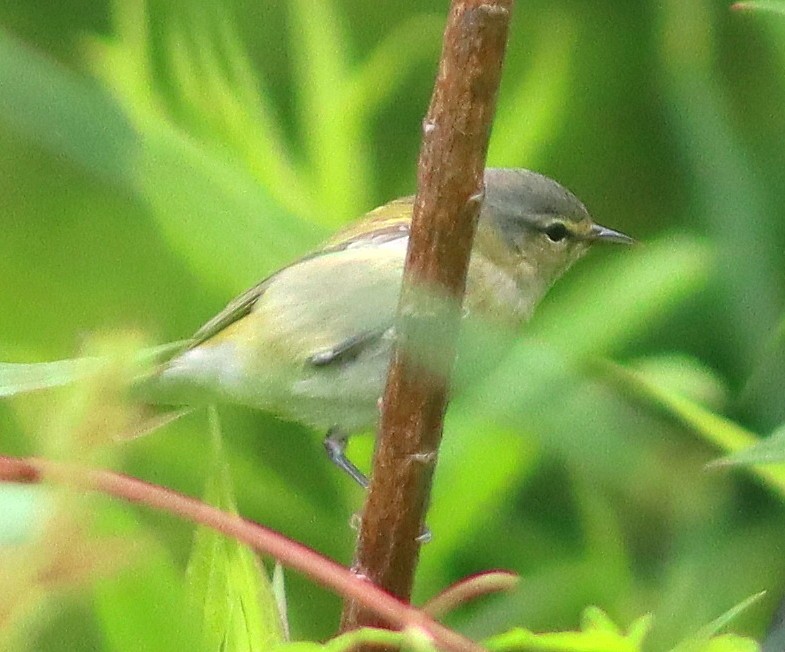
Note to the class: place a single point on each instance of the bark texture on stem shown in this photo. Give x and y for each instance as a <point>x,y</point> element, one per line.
<point>450,185</point>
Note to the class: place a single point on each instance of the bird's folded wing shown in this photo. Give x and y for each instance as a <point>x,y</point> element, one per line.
<point>341,296</point>
<point>327,308</point>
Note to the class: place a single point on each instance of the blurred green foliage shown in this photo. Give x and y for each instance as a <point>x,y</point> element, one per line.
<point>158,158</point>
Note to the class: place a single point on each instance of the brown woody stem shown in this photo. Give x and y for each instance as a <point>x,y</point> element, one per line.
<point>456,131</point>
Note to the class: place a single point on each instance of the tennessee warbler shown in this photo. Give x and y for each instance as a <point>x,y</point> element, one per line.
<point>312,342</point>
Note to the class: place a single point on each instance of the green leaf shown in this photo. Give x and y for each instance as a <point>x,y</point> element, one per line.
<point>729,194</point>
<point>598,634</point>
<point>639,629</point>
<point>730,615</point>
<point>770,450</point>
<point>610,306</point>
<point>213,212</point>
<point>594,618</point>
<point>226,580</point>
<point>225,101</point>
<point>336,150</point>
<point>723,433</point>
<point>222,222</point>
<point>539,390</point>
<point>684,375</point>
<point>144,607</point>
<point>467,460</point>
<point>392,60</point>
<point>730,643</point>
<point>703,641</point>
<point>279,591</point>
<point>539,101</point>
<point>407,641</point>
<point>67,115</point>
<point>20,378</point>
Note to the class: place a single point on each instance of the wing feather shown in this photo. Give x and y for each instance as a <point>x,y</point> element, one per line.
<point>381,226</point>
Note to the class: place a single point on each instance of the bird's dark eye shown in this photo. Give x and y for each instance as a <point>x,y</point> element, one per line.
<point>557,231</point>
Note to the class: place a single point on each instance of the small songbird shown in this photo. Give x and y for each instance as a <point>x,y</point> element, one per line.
<point>312,343</point>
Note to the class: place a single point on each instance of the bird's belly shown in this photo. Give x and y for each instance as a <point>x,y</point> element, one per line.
<point>343,394</point>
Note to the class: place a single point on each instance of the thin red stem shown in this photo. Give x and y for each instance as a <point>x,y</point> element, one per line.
<point>290,553</point>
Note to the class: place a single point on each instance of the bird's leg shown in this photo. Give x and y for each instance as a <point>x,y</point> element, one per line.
<point>335,445</point>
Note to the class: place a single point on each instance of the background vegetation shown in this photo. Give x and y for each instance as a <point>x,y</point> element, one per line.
<point>158,158</point>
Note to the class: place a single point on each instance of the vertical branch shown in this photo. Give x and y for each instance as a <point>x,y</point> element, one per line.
<point>456,131</point>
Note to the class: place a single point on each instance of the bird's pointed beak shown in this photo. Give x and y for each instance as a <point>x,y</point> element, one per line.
<point>604,234</point>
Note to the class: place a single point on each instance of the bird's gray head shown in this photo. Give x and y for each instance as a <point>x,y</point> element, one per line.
<point>545,226</point>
